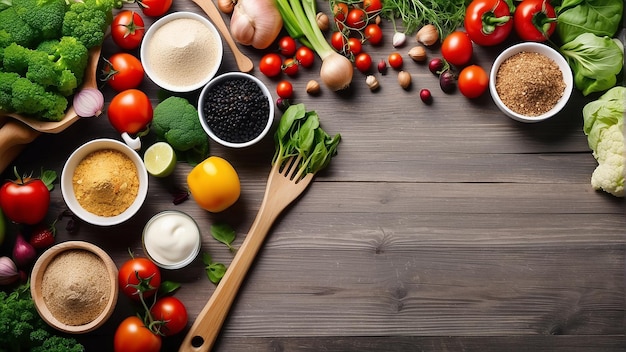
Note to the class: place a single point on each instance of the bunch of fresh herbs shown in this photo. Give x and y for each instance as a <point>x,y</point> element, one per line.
<point>447,16</point>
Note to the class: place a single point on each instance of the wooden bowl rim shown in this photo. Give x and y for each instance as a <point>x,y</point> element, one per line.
<point>37,277</point>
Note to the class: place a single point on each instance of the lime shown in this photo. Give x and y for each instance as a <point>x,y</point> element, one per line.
<point>160,159</point>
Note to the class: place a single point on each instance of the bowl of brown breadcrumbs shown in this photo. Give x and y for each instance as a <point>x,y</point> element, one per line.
<point>530,82</point>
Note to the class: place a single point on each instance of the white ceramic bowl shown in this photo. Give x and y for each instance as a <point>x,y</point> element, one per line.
<point>37,291</point>
<point>180,53</point>
<point>67,187</point>
<point>171,239</point>
<point>230,76</point>
<point>541,49</point>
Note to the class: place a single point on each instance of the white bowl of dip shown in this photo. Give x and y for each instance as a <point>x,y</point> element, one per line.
<point>171,239</point>
<point>104,182</point>
<point>181,52</point>
<point>533,78</point>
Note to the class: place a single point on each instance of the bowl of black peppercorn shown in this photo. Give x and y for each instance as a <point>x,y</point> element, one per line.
<point>236,109</point>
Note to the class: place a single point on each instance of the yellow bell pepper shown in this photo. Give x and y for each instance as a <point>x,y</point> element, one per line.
<point>214,184</point>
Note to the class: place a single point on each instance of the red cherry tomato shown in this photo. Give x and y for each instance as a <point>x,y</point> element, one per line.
<point>373,34</point>
<point>356,19</point>
<point>287,46</point>
<point>488,22</point>
<point>130,111</point>
<point>127,29</point>
<point>305,56</point>
<point>172,312</point>
<point>457,48</point>
<point>155,8</point>
<point>123,71</point>
<point>338,41</point>
<point>284,89</point>
<point>395,60</point>
<point>354,46</point>
<point>534,20</point>
<point>473,81</point>
<point>290,66</point>
<point>139,271</point>
<point>133,336</point>
<point>25,200</point>
<point>372,6</point>
<point>340,11</point>
<point>271,65</point>
<point>363,62</point>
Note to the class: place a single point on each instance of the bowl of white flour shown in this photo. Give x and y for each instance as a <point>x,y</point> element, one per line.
<point>181,52</point>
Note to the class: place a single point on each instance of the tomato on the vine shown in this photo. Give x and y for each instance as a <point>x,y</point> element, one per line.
<point>338,41</point>
<point>372,6</point>
<point>270,65</point>
<point>25,200</point>
<point>127,29</point>
<point>354,46</point>
<point>123,71</point>
<point>340,11</point>
<point>305,56</point>
<point>395,60</point>
<point>473,81</point>
<point>139,274</point>
<point>373,33</point>
<point>357,18</point>
<point>284,89</point>
<point>155,8</point>
<point>132,335</point>
<point>290,66</point>
<point>534,20</point>
<point>457,48</point>
<point>363,62</point>
<point>172,312</point>
<point>488,22</point>
<point>287,46</point>
<point>130,111</point>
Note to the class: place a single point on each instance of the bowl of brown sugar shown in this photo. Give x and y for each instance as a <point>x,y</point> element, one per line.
<point>74,286</point>
<point>104,182</point>
<point>530,82</point>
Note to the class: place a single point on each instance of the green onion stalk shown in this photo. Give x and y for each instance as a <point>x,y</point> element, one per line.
<point>299,20</point>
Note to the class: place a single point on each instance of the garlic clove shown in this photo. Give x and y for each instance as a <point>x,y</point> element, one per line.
<point>418,53</point>
<point>404,79</point>
<point>427,35</point>
<point>313,87</point>
<point>322,21</point>
<point>398,39</point>
<point>372,82</point>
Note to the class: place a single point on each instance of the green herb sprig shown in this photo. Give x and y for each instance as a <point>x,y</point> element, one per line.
<point>447,16</point>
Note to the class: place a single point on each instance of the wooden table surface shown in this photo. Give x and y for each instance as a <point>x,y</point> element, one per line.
<point>447,227</point>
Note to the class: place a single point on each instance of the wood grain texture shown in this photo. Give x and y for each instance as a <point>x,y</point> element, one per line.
<point>447,227</point>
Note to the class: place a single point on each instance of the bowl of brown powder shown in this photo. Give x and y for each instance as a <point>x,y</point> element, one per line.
<point>181,52</point>
<point>104,182</point>
<point>74,286</point>
<point>530,82</point>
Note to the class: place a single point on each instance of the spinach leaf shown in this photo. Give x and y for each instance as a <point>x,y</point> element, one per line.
<point>600,17</point>
<point>595,61</point>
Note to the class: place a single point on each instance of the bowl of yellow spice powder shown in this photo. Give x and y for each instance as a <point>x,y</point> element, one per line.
<point>74,286</point>
<point>530,82</point>
<point>104,182</point>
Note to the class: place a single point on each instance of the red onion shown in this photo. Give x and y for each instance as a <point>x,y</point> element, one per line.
<point>447,82</point>
<point>8,271</point>
<point>426,97</point>
<point>88,102</point>
<point>23,252</point>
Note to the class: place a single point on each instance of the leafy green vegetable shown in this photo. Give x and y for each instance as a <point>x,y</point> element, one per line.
<point>22,329</point>
<point>604,125</point>
<point>299,134</point>
<point>600,17</point>
<point>595,61</point>
<point>446,15</point>
<point>215,271</point>
<point>225,234</point>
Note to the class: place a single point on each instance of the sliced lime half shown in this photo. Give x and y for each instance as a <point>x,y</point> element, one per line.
<point>160,159</point>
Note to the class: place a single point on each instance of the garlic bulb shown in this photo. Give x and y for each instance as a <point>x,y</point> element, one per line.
<point>427,35</point>
<point>256,23</point>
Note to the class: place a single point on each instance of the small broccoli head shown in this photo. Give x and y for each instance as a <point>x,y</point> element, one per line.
<point>32,99</point>
<point>45,16</point>
<point>21,33</point>
<point>6,90</point>
<point>16,59</point>
<point>40,69</point>
<point>87,21</point>
<point>176,121</point>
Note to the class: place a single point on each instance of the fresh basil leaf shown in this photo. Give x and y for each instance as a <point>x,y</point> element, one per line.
<point>168,287</point>
<point>215,272</point>
<point>223,233</point>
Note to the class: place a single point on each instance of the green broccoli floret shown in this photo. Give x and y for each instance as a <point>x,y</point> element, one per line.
<point>6,90</point>
<point>68,54</point>
<point>33,99</point>
<point>45,16</point>
<point>21,33</point>
<point>16,59</point>
<point>5,40</point>
<point>88,20</point>
<point>176,121</point>
<point>22,329</point>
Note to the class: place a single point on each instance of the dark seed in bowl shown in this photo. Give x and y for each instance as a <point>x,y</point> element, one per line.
<point>236,110</point>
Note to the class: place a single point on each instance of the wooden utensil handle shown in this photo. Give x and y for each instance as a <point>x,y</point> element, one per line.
<point>14,135</point>
<point>207,325</point>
